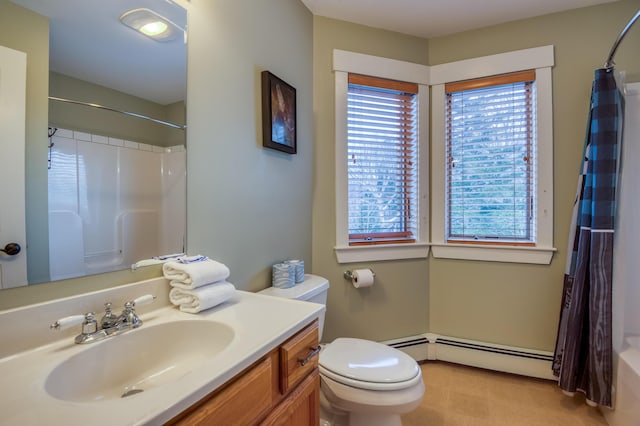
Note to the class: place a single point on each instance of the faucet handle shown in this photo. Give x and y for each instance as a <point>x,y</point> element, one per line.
<point>143,300</point>
<point>129,315</point>
<point>109,318</point>
<point>66,322</point>
<point>89,325</point>
<point>138,301</point>
<point>87,320</point>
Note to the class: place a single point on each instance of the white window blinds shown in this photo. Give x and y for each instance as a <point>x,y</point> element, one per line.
<point>382,160</point>
<point>491,159</point>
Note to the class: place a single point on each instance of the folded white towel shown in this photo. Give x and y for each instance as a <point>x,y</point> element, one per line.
<point>205,297</point>
<point>193,275</point>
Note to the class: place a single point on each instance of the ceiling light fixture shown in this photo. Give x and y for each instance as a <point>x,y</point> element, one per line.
<point>151,24</point>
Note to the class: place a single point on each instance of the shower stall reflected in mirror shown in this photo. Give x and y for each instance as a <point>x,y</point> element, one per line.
<point>112,202</point>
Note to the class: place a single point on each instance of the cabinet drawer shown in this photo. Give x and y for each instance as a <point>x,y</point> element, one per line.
<point>298,357</point>
<point>240,403</point>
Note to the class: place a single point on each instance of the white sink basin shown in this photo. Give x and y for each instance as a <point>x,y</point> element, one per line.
<point>138,360</point>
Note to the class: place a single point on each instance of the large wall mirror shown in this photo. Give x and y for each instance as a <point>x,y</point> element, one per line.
<point>105,187</point>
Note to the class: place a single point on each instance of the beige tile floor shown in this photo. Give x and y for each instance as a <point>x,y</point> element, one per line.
<point>465,396</point>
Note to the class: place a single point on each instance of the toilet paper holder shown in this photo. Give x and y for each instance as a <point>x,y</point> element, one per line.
<point>348,275</point>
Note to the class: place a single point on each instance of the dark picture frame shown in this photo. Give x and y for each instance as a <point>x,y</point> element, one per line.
<point>279,126</point>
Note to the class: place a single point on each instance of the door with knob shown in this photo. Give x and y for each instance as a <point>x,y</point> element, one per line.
<point>13,259</point>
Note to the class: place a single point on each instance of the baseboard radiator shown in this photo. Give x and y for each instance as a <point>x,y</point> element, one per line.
<point>431,347</point>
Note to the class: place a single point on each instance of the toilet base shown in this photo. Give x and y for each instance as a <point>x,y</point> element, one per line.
<point>331,416</point>
<point>364,407</point>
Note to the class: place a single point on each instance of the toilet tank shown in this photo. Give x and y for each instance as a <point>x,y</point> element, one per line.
<point>312,289</point>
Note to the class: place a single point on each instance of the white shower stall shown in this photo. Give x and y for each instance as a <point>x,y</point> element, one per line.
<point>112,202</point>
<point>626,271</point>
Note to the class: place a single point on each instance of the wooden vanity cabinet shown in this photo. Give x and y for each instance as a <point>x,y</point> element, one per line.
<point>282,388</point>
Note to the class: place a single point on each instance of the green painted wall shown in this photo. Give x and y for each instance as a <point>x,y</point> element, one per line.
<point>510,304</point>
<point>397,305</point>
<point>247,206</point>
<point>517,304</point>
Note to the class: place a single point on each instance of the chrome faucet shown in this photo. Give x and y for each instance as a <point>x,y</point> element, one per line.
<point>109,318</point>
<point>128,317</point>
<point>110,324</point>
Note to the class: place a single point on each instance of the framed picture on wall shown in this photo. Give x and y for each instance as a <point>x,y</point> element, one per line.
<point>278,114</point>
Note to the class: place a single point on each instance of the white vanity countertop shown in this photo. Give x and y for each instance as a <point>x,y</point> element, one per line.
<point>260,323</point>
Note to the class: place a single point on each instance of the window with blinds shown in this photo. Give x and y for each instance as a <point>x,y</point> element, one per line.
<point>382,160</point>
<point>491,160</point>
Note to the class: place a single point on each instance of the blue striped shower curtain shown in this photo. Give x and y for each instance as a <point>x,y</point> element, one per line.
<point>583,353</point>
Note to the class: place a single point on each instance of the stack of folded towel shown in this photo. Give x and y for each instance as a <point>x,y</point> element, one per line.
<point>197,283</point>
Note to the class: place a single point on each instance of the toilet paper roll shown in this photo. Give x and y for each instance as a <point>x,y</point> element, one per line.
<point>362,278</point>
<point>283,275</point>
<point>299,269</point>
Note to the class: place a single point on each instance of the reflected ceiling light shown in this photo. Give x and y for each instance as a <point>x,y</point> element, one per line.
<point>151,24</point>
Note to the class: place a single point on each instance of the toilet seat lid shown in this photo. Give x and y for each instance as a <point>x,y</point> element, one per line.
<point>363,363</point>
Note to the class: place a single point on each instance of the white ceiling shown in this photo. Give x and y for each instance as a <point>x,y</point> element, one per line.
<point>87,41</point>
<point>435,18</point>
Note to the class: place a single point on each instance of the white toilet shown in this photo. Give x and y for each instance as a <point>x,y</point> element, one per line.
<point>363,383</point>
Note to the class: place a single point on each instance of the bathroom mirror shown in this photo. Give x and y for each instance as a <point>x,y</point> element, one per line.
<point>115,177</point>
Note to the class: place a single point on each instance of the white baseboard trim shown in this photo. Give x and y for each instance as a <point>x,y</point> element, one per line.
<point>491,356</point>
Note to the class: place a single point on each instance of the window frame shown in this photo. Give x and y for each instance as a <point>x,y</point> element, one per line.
<point>541,60</point>
<point>356,63</point>
<point>405,146</point>
<point>455,93</point>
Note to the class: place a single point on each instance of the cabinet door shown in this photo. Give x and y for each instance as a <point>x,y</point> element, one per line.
<point>301,407</point>
<point>241,403</point>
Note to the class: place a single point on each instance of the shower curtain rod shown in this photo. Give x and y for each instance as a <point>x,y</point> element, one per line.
<point>610,64</point>
<point>131,114</point>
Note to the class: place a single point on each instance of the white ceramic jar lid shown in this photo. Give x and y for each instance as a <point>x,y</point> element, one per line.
<point>367,361</point>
